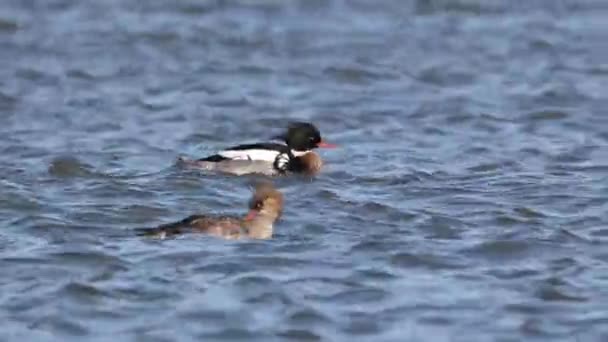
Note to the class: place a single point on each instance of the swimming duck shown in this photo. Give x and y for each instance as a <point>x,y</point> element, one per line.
<point>299,139</point>
<point>265,207</point>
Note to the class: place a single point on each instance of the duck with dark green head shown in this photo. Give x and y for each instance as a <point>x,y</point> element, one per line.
<point>298,140</point>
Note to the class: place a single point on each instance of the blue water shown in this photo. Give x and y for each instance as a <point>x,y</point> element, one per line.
<point>467,200</point>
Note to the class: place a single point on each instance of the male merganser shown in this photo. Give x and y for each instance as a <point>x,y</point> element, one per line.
<point>269,158</point>
<point>265,207</point>
<point>309,164</point>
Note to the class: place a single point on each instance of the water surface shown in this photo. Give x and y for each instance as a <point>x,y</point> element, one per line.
<point>467,201</point>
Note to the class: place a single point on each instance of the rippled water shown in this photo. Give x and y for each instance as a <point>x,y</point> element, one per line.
<point>467,201</point>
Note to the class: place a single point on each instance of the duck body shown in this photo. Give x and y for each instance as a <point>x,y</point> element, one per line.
<point>267,158</point>
<point>233,167</point>
<point>261,152</point>
<point>265,207</point>
<point>228,227</point>
<point>309,164</point>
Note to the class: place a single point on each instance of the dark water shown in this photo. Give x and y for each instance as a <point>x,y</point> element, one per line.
<point>467,202</point>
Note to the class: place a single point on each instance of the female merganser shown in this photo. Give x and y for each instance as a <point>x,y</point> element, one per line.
<point>269,158</point>
<point>265,207</point>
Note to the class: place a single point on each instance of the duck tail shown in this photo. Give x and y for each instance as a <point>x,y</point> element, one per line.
<point>161,232</point>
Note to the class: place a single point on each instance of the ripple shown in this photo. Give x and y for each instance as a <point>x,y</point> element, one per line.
<point>501,249</point>
<point>24,202</point>
<point>252,281</point>
<point>528,212</point>
<point>527,308</point>
<point>386,211</point>
<point>307,317</point>
<point>234,334</point>
<point>156,100</point>
<point>435,262</point>
<point>558,93</point>
<point>68,167</point>
<point>87,258</point>
<point>355,75</point>
<point>600,232</point>
<point>299,335</point>
<point>375,275</point>
<point>490,167</point>
<point>60,327</point>
<point>7,102</point>
<point>362,324</point>
<point>442,227</point>
<point>81,74</point>
<point>376,245</point>
<point>8,26</point>
<point>40,77</point>
<point>358,296</point>
<point>514,273</point>
<point>440,76</point>
<point>83,292</point>
<point>554,290</point>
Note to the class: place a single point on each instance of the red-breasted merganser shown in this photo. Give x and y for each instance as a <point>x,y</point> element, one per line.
<point>270,158</point>
<point>309,164</point>
<point>265,207</point>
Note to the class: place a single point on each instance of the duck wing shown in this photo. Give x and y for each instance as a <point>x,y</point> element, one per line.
<point>223,226</point>
<point>260,151</point>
